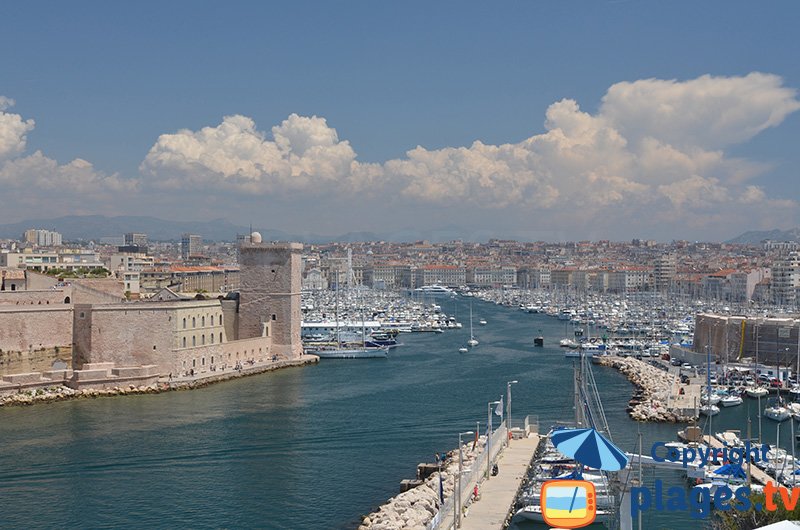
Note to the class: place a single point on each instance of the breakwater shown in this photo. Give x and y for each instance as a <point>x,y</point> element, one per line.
<point>415,508</point>
<point>56,393</point>
<point>656,390</point>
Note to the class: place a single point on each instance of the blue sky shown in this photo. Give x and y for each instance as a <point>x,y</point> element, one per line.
<point>104,81</point>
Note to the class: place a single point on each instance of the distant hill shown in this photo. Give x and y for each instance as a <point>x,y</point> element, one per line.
<point>93,227</point>
<point>754,237</point>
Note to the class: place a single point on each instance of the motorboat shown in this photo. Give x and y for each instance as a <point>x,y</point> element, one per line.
<point>731,400</point>
<point>463,350</point>
<point>709,410</point>
<point>757,391</point>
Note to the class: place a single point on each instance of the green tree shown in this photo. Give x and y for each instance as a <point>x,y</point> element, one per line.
<point>752,518</point>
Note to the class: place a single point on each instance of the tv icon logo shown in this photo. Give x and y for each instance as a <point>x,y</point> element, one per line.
<point>568,503</point>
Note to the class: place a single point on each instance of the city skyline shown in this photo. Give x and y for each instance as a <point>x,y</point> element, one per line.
<point>590,138</point>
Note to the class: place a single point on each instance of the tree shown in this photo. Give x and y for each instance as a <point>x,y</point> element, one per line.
<point>752,518</point>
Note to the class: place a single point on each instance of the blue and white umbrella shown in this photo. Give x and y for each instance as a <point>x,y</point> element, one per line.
<point>590,448</point>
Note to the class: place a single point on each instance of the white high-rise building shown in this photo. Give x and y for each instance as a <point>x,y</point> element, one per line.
<point>786,279</point>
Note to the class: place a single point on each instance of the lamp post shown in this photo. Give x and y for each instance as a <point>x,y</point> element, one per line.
<point>489,437</point>
<point>508,410</point>
<point>457,484</point>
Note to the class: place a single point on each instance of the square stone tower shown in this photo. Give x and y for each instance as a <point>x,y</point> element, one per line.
<point>269,293</point>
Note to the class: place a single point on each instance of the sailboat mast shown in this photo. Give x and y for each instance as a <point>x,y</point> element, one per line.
<point>336,312</point>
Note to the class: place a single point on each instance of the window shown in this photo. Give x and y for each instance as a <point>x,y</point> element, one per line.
<point>220,337</point>
<point>203,361</point>
<point>212,359</point>
<point>194,323</point>
<point>194,340</point>
<point>203,322</point>
<point>184,323</point>
<point>194,363</point>
<point>274,316</point>
<point>212,338</point>
<point>13,287</point>
<point>203,339</point>
<point>212,320</point>
<point>66,300</point>
<point>220,320</point>
<point>184,342</point>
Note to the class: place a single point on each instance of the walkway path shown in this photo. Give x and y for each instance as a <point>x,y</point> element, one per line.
<point>499,492</point>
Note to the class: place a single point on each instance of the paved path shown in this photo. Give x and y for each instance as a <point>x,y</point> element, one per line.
<point>498,493</point>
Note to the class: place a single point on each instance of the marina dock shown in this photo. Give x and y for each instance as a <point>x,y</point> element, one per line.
<point>758,475</point>
<point>497,494</point>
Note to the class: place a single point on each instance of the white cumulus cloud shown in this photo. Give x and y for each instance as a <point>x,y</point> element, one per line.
<point>13,130</point>
<point>303,154</point>
<point>656,151</point>
<point>38,182</point>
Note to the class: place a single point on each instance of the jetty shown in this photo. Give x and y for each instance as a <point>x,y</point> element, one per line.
<point>497,495</point>
<point>660,396</point>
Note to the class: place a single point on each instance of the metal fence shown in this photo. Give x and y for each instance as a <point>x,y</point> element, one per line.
<point>445,519</point>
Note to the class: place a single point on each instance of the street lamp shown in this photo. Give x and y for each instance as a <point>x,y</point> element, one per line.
<point>508,410</point>
<point>489,437</point>
<point>457,484</point>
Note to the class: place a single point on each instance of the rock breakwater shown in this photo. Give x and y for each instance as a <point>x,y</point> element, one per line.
<point>415,508</point>
<point>654,390</point>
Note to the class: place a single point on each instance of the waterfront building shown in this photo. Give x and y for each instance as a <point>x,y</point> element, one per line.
<point>730,337</point>
<point>664,271</point>
<point>628,279</point>
<point>447,275</point>
<point>270,293</point>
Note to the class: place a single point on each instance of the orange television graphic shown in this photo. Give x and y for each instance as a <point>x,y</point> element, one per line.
<point>568,503</point>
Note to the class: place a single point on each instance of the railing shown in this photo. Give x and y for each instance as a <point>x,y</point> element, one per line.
<point>472,476</point>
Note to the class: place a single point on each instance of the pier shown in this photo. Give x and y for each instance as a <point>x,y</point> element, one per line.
<point>498,493</point>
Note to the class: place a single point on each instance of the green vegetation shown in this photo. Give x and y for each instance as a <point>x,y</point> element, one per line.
<point>82,272</point>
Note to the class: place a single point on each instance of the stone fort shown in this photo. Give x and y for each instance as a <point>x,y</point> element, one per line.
<point>84,336</point>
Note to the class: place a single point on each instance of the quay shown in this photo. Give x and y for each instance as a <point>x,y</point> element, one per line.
<point>498,493</point>
<point>207,378</point>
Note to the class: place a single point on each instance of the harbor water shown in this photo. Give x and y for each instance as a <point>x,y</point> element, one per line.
<point>302,448</point>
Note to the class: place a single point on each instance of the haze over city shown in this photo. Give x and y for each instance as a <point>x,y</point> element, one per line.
<point>605,121</point>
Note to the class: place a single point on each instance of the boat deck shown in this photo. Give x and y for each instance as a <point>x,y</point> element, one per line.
<point>499,492</point>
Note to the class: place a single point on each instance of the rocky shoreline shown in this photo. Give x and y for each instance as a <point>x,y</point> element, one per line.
<point>653,390</point>
<point>56,393</point>
<point>415,508</point>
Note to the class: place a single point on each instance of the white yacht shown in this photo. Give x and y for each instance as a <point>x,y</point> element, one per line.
<point>731,400</point>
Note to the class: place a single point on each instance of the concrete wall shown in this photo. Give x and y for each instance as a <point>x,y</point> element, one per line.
<point>270,286</point>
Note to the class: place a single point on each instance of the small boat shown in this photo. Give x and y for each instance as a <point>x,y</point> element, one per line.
<point>533,512</point>
<point>709,410</point>
<point>777,412</point>
<point>482,322</point>
<point>538,341</point>
<point>731,400</point>
<point>757,391</point>
<point>463,350</point>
